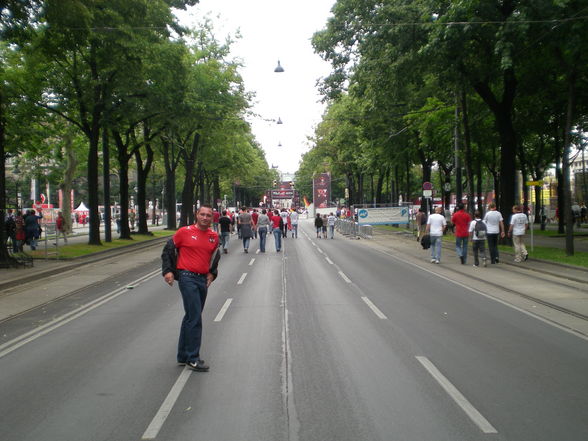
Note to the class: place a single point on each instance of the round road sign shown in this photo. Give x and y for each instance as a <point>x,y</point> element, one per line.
<point>427,186</point>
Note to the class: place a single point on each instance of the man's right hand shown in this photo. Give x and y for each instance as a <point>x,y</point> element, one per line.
<point>169,278</point>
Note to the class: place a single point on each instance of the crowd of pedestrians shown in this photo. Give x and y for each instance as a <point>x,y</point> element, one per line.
<point>480,230</point>
<point>250,224</point>
<point>23,229</point>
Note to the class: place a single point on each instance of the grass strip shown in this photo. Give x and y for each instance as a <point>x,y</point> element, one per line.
<point>83,249</point>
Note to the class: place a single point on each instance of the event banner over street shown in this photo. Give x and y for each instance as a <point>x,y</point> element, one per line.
<point>383,216</point>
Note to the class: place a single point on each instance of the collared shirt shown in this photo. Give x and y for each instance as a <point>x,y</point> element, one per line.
<point>195,248</point>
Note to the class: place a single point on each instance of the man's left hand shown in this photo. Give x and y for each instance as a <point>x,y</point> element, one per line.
<point>209,279</point>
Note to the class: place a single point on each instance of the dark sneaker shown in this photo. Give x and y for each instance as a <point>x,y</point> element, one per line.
<point>461,258</point>
<point>526,257</point>
<point>181,363</point>
<point>198,366</point>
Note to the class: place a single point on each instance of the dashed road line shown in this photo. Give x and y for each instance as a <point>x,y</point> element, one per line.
<point>251,262</point>
<point>342,274</point>
<point>374,308</point>
<point>167,405</point>
<point>457,396</point>
<point>223,310</point>
<point>242,279</point>
<point>329,260</point>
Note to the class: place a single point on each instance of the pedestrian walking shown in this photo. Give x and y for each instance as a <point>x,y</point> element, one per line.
<point>225,224</point>
<point>263,225</point>
<point>325,225</point>
<point>517,229</point>
<point>294,216</point>
<point>246,228</point>
<point>331,223</point>
<point>20,231</point>
<point>461,220</point>
<point>478,233</point>
<point>10,227</point>
<point>132,219</point>
<point>318,223</point>
<point>421,221</point>
<point>61,227</point>
<point>215,218</point>
<point>254,218</point>
<point>276,221</point>
<point>284,224</point>
<point>32,228</point>
<point>495,226</point>
<point>436,225</point>
<point>196,268</point>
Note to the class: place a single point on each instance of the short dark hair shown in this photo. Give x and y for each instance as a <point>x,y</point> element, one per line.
<point>204,206</point>
<point>460,206</point>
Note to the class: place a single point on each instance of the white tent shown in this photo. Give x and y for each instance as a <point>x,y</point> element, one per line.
<point>82,207</point>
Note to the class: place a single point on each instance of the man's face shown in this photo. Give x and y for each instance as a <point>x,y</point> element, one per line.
<point>204,218</point>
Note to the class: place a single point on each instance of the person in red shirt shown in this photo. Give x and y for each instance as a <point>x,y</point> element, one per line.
<point>275,220</point>
<point>215,219</point>
<point>254,217</point>
<point>461,219</point>
<point>197,246</point>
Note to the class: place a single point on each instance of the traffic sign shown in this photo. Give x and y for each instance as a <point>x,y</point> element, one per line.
<point>427,193</point>
<point>427,186</point>
<point>447,186</point>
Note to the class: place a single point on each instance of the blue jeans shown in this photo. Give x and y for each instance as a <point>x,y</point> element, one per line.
<point>262,234</point>
<point>461,247</point>
<point>436,247</point>
<point>193,289</point>
<point>225,239</point>
<point>278,238</point>
<point>246,243</point>
<point>332,231</point>
<point>295,230</point>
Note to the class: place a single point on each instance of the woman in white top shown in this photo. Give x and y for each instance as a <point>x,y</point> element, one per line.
<point>517,229</point>
<point>495,226</point>
<point>436,225</point>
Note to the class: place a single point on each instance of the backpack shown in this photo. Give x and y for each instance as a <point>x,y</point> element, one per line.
<point>480,230</point>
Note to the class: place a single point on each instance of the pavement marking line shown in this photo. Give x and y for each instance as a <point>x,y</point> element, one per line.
<point>240,282</point>
<point>329,260</point>
<point>457,396</point>
<point>374,308</point>
<point>347,279</point>
<point>34,334</point>
<point>223,310</point>
<point>319,250</point>
<point>257,252</point>
<point>167,405</point>
<point>559,326</point>
<point>251,262</point>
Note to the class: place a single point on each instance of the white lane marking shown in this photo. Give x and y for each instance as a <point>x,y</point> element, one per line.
<point>257,252</point>
<point>242,279</point>
<point>374,308</point>
<point>167,405</point>
<point>34,334</point>
<point>319,250</point>
<point>347,279</point>
<point>223,310</point>
<point>329,260</point>
<point>251,262</point>
<point>569,330</point>
<point>457,396</point>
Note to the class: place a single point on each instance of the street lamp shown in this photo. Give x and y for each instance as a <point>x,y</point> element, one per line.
<point>279,68</point>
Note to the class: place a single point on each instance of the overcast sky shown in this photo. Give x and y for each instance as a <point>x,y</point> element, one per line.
<point>272,30</point>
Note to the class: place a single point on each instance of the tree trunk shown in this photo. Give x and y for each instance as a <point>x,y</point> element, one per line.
<point>142,175</point>
<point>106,183</point>
<point>468,150</point>
<point>93,200</point>
<point>187,213</point>
<point>567,191</point>
<point>123,174</point>
<point>5,259</point>
<point>68,175</point>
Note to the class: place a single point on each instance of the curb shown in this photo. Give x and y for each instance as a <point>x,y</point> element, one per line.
<point>66,265</point>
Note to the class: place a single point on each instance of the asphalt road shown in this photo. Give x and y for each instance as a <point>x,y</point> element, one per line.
<point>328,340</point>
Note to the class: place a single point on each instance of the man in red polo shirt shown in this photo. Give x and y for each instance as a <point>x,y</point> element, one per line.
<point>197,247</point>
<point>461,219</point>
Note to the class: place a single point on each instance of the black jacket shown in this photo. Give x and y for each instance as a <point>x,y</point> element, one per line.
<point>169,260</point>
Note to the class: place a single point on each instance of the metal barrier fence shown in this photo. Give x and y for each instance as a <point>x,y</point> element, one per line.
<point>352,228</point>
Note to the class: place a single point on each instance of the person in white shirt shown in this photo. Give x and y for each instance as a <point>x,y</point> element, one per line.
<point>294,223</point>
<point>436,225</point>
<point>478,237</point>
<point>331,222</point>
<point>517,229</point>
<point>495,227</point>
